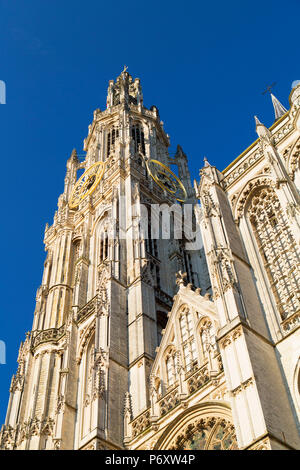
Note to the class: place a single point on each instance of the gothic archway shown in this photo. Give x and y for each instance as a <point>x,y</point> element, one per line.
<point>202,427</point>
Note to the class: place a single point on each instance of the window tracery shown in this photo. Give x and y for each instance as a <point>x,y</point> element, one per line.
<point>171,369</point>
<point>103,250</point>
<point>277,248</point>
<point>112,136</point>
<point>138,137</point>
<point>208,337</point>
<point>77,250</point>
<point>207,434</point>
<point>187,338</point>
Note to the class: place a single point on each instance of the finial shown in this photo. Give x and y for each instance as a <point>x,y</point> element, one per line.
<point>279,109</point>
<point>206,162</point>
<point>180,278</point>
<point>74,154</point>
<point>125,69</point>
<point>261,130</point>
<point>257,121</point>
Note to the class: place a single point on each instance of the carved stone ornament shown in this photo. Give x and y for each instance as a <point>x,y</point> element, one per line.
<point>211,433</point>
<point>293,159</point>
<point>181,278</point>
<point>259,181</point>
<point>146,275</point>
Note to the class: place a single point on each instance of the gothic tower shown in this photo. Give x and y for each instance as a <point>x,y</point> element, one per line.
<point>122,356</point>
<point>106,290</point>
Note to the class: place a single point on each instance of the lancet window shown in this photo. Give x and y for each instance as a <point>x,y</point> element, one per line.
<point>103,246</point>
<point>76,250</point>
<point>188,340</point>
<point>278,249</point>
<point>138,137</point>
<point>171,369</point>
<point>208,337</point>
<point>188,266</point>
<point>112,136</point>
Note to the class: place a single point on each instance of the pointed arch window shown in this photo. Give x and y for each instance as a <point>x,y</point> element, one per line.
<point>77,250</point>
<point>171,369</point>
<point>103,246</point>
<point>208,337</point>
<point>112,136</point>
<point>278,249</point>
<point>187,338</point>
<point>138,137</point>
<point>188,266</point>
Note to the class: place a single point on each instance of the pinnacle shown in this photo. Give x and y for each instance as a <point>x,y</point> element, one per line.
<point>257,121</point>
<point>206,162</point>
<point>279,109</point>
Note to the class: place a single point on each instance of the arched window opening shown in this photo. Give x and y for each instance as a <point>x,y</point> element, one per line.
<point>151,243</point>
<point>103,250</point>
<point>171,369</point>
<point>208,338</point>
<point>112,136</point>
<point>188,340</point>
<point>212,433</point>
<point>138,137</point>
<point>277,248</point>
<point>188,266</point>
<point>76,250</point>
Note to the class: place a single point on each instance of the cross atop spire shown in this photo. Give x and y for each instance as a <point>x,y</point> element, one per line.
<point>269,88</point>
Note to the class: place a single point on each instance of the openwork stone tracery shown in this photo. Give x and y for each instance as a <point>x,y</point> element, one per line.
<point>206,434</point>
<point>277,248</point>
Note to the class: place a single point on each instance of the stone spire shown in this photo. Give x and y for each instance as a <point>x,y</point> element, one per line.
<point>279,109</point>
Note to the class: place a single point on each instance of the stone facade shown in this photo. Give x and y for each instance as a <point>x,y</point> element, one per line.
<point>144,342</point>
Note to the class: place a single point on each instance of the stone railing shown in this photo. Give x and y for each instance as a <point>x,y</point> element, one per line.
<point>198,379</point>
<point>195,379</point>
<point>11,438</point>
<point>87,310</point>
<point>140,423</point>
<point>291,322</point>
<point>169,401</point>
<point>50,335</point>
<point>245,164</point>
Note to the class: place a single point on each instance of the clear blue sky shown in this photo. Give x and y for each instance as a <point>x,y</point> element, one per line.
<point>204,64</point>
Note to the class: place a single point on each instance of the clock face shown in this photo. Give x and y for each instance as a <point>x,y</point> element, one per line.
<point>86,184</point>
<point>166,179</point>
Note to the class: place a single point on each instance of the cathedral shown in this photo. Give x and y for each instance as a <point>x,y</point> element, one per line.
<point>168,313</point>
